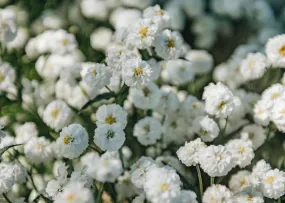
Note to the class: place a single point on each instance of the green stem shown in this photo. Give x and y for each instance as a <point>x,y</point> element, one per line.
<point>100,191</point>
<point>6,198</point>
<point>225,127</point>
<point>122,158</point>
<point>279,200</point>
<point>212,180</point>
<point>200,180</point>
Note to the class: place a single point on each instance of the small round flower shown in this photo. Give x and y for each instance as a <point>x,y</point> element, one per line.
<point>148,130</point>
<point>53,188</point>
<point>275,50</point>
<point>239,181</point>
<point>146,97</point>
<point>258,173</point>
<point>242,151</point>
<point>63,42</point>
<point>168,45</point>
<point>189,153</point>
<point>169,102</point>
<point>20,173</point>
<point>179,71</point>
<point>162,184</point>
<point>253,66</point>
<point>136,72</point>
<point>111,114</point>
<point>278,114</point>
<point>142,33</point>
<point>158,16</point>
<point>262,112</point>
<point>255,133</point>
<point>74,192</point>
<point>273,93</point>
<point>206,128</point>
<point>124,188</point>
<point>216,193</point>
<point>273,184</point>
<point>216,160</point>
<point>191,108</point>
<point>73,141</point>
<point>101,38</point>
<point>7,76</point>
<point>25,132</point>
<point>140,169</point>
<point>96,75</point>
<point>38,150</point>
<point>7,177</point>
<point>219,100</point>
<point>185,196</point>
<point>202,62</point>
<point>248,195</point>
<point>57,115</point>
<point>109,137</point>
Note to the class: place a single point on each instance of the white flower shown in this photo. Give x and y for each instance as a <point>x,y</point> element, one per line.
<point>74,192</point>
<point>255,133</point>
<point>63,42</point>
<point>146,97</point>
<point>107,168</point>
<point>239,181</point>
<point>95,75</point>
<point>253,66</point>
<point>185,196</point>
<point>191,108</point>
<point>124,188</point>
<point>278,114</point>
<point>124,17</point>
<point>262,112</point>
<point>20,172</point>
<point>216,160</point>
<point>139,199</point>
<point>168,45</point>
<point>275,50</point>
<point>219,100</point>
<point>96,9</point>
<point>273,184</point>
<point>80,175</point>
<point>53,188</point>
<point>179,71</point>
<point>7,76</point>
<point>248,195</point>
<point>148,130</point>
<point>189,153</point>
<point>72,142</point>
<point>111,114</point>
<point>8,28</point>
<point>273,93</point>
<point>158,16</point>
<point>169,102</point>
<point>142,33</point>
<point>60,172</point>
<point>38,150</point>
<point>242,151</point>
<point>19,41</point>
<point>258,172</point>
<point>162,184</point>
<point>2,134</point>
<point>206,128</point>
<point>136,72</point>
<point>109,137</point>
<point>216,193</point>
<point>101,38</point>
<point>201,61</point>
<point>7,177</point>
<point>140,169</point>
<point>57,115</point>
<point>25,132</point>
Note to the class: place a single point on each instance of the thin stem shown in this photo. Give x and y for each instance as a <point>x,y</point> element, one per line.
<point>225,127</point>
<point>122,158</point>
<point>6,198</point>
<point>200,180</point>
<point>212,180</point>
<point>279,200</point>
<point>108,88</point>
<point>100,191</point>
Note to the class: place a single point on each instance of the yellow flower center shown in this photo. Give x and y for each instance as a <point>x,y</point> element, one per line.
<point>242,149</point>
<point>110,119</point>
<point>106,161</point>
<point>54,113</point>
<point>259,111</point>
<point>144,31</point>
<point>222,104</point>
<point>138,71</point>
<point>243,182</point>
<point>65,42</point>
<point>275,95</point>
<point>147,128</point>
<point>39,146</point>
<point>2,77</point>
<point>160,12</point>
<point>270,179</point>
<point>70,197</point>
<point>282,111</point>
<point>67,139</point>
<point>94,71</point>
<point>282,50</point>
<point>170,43</point>
<point>164,187</point>
<point>251,64</point>
<point>250,198</point>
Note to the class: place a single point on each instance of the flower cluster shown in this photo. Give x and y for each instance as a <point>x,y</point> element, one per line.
<point>175,101</point>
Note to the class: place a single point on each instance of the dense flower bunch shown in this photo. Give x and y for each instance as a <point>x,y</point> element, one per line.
<point>112,101</point>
